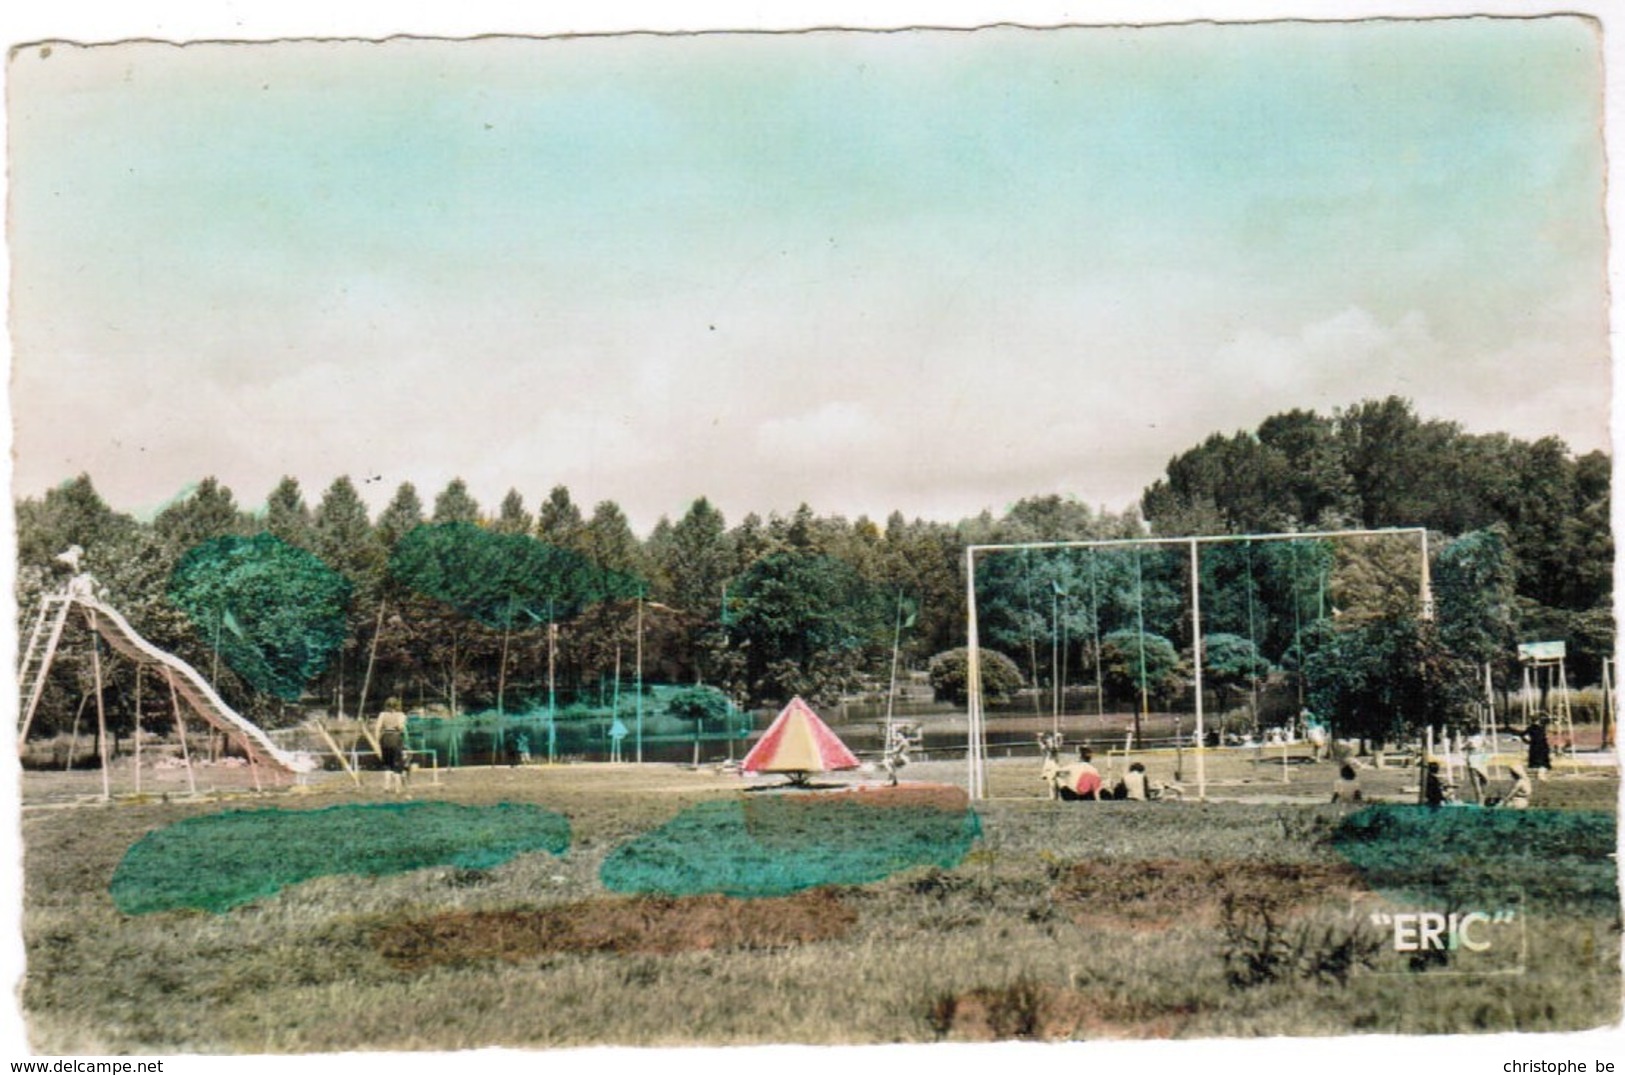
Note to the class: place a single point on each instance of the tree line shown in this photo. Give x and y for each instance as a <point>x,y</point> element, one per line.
<point>451,604</point>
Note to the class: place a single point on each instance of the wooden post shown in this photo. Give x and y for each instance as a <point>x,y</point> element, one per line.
<point>138,669</point>
<point>180,727</point>
<point>372,654</point>
<point>73,736</point>
<point>101,711</point>
<point>321,729</point>
<point>1422,768</point>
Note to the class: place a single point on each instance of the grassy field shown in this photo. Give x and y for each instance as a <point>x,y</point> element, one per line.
<point>1246,915</point>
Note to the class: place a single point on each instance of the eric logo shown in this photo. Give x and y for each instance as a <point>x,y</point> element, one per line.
<point>1430,931</point>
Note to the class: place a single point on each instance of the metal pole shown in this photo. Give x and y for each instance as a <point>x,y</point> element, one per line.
<point>615,702</point>
<point>1196,662</point>
<point>138,669</point>
<point>101,713</point>
<point>896,644</point>
<point>552,696</point>
<point>1139,605</point>
<point>1094,619</point>
<point>1427,581</point>
<point>1055,656</point>
<point>973,683</point>
<point>639,676</point>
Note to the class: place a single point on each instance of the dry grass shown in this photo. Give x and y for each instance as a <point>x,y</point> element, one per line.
<point>645,925</point>
<point>1160,893</point>
<point>1065,920</point>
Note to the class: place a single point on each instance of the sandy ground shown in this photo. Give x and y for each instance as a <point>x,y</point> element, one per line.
<point>1224,775</point>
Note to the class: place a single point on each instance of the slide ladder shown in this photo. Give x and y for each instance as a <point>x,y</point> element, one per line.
<point>42,642</point>
<point>182,678</point>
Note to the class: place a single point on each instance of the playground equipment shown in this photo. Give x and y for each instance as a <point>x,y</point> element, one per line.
<point>798,744</point>
<point>976,752</point>
<point>185,682</point>
<point>1546,689</point>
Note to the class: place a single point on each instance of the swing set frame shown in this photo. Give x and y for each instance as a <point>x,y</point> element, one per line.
<point>976,746</point>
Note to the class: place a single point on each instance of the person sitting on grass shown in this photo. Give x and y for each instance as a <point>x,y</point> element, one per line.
<point>1517,797</point>
<point>1347,788</point>
<point>1080,780</point>
<point>1478,767</point>
<point>1134,784</point>
<point>1435,791</point>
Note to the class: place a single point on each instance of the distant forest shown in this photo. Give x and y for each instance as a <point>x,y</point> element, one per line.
<point>449,603</point>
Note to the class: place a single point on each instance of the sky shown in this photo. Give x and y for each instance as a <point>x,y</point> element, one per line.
<point>932,272</point>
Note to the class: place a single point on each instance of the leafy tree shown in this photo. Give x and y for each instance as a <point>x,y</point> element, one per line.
<point>1231,662</point>
<point>1321,490</point>
<point>208,512</point>
<point>500,579</point>
<point>71,514</point>
<point>1385,679</point>
<point>697,705</point>
<point>608,542</point>
<point>949,672</point>
<point>342,535</point>
<point>926,562</point>
<point>1130,658</point>
<point>287,517</point>
<point>1376,578</point>
<point>503,582</point>
<point>455,505</point>
<point>751,541</point>
<point>804,622</point>
<point>276,611</point>
<point>558,520</point>
<point>512,518</point>
<point>401,517</point>
<point>1475,591</point>
<point>697,559</point>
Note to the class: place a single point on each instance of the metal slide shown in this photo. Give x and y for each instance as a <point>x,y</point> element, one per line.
<point>190,686</point>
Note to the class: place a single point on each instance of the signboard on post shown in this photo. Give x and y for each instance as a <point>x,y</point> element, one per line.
<point>1541,651</point>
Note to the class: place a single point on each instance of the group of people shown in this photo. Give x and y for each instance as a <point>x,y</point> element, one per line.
<point>1437,790</point>
<point>1080,780</point>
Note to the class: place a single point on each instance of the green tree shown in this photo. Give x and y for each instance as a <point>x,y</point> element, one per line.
<point>287,517</point>
<point>697,705</point>
<point>949,673</point>
<point>512,518</point>
<point>275,610</point>
<point>608,542</point>
<point>806,623</point>
<point>455,505</point>
<point>73,513</point>
<point>403,515</point>
<point>208,512</point>
<point>1387,679</point>
<point>1132,658</point>
<point>1231,662</point>
<point>342,535</point>
<point>1475,592</point>
<point>501,582</point>
<point>558,520</point>
<point>697,559</point>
